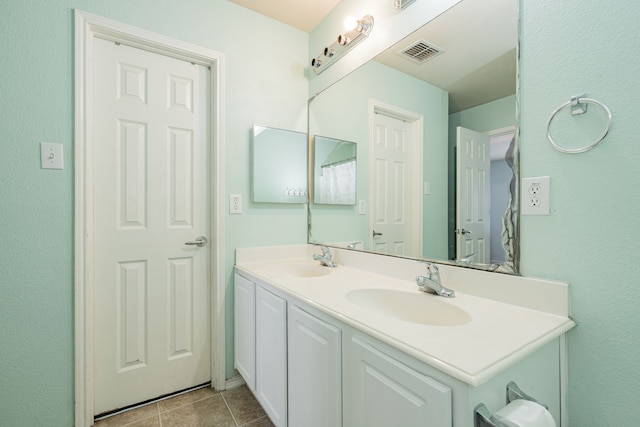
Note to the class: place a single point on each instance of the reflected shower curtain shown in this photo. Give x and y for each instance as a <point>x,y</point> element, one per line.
<point>338,183</point>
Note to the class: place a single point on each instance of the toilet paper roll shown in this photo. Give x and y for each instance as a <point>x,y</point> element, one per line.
<point>524,413</point>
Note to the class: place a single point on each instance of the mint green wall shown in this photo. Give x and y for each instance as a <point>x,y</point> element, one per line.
<point>492,115</point>
<point>342,112</point>
<point>36,213</point>
<point>568,48</point>
<point>591,238</point>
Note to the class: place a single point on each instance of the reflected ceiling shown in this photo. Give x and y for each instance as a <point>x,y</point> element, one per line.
<point>483,51</point>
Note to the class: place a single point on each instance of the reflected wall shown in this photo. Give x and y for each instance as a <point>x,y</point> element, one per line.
<point>342,112</point>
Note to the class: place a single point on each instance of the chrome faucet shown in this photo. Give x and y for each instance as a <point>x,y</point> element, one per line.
<point>432,283</point>
<point>325,258</point>
<point>353,245</point>
<point>466,260</point>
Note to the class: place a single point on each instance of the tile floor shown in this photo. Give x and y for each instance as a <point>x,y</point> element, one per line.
<point>204,407</point>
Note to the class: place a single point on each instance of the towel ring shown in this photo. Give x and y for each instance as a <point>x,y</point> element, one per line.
<point>578,106</point>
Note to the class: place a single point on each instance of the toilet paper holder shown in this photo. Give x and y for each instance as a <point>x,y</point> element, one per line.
<point>483,418</point>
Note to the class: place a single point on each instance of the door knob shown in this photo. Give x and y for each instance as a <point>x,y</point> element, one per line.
<point>376,234</point>
<point>463,231</point>
<point>200,241</point>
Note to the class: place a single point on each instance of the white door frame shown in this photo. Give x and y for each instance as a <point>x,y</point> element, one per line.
<point>88,26</point>
<point>417,125</point>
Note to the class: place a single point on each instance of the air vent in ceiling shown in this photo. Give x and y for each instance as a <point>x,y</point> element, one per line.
<point>420,52</point>
<point>401,4</point>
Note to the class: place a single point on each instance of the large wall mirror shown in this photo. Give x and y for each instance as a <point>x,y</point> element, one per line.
<point>434,120</point>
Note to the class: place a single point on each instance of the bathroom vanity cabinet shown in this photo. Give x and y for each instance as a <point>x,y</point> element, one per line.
<point>316,369</point>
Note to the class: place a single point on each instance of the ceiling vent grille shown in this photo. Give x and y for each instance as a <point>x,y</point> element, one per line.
<point>420,52</point>
<point>401,4</point>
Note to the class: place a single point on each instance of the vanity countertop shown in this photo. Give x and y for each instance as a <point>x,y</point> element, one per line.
<point>499,334</point>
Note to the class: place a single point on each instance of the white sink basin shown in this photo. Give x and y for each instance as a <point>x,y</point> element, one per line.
<point>414,307</point>
<point>301,270</point>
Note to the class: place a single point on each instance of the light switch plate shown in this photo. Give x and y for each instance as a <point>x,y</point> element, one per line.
<point>51,156</point>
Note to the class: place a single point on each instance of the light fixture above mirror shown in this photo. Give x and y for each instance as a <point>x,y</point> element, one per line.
<point>356,31</point>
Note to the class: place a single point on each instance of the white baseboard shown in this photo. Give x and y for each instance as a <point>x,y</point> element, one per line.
<point>234,382</point>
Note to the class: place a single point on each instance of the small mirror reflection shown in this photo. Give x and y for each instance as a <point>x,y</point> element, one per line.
<point>279,166</point>
<point>334,178</point>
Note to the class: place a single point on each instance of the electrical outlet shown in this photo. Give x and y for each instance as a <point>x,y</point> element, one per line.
<point>426,188</point>
<point>535,196</point>
<point>362,207</point>
<point>235,204</point>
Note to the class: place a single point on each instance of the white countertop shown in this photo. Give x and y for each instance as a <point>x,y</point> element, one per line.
<point>498,335</point>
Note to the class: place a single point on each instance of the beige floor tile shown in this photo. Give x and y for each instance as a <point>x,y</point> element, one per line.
<point>147,422</point>
<point>262,422</point>
<point>244,406</point>
<point>184,399</point>
<point>126,418</point>
<point>211,412</point>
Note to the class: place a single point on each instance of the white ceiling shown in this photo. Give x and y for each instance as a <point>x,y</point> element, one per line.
<point>479,39</point>
<point>301,14</point>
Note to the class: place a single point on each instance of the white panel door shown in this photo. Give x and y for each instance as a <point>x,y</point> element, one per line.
<point>150,197</point>
<point>473,196</point>
<point>390,192</point>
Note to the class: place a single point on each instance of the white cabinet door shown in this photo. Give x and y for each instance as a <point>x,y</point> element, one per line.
<point>271,355</point>
<point>380,391</point>
<point>244,318</point>
<point>315,383</point>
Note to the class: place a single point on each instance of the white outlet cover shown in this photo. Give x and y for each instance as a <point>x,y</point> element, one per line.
<point>362,207</point>
<point>235,204</point>
<point>535,194</point>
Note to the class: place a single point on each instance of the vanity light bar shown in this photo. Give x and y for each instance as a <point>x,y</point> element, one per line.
<point>344,42</point>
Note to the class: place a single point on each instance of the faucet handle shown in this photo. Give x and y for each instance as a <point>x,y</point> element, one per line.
<point>434,272</point>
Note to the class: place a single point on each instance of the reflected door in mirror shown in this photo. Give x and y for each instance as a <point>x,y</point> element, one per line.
<point>473,196</point>
<point>391,186</point>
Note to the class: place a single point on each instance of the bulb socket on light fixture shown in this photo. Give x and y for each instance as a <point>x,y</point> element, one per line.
<point>343,40</point>
<point>316,63</point>
<point>364,25</point>
<point>328,52</point>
